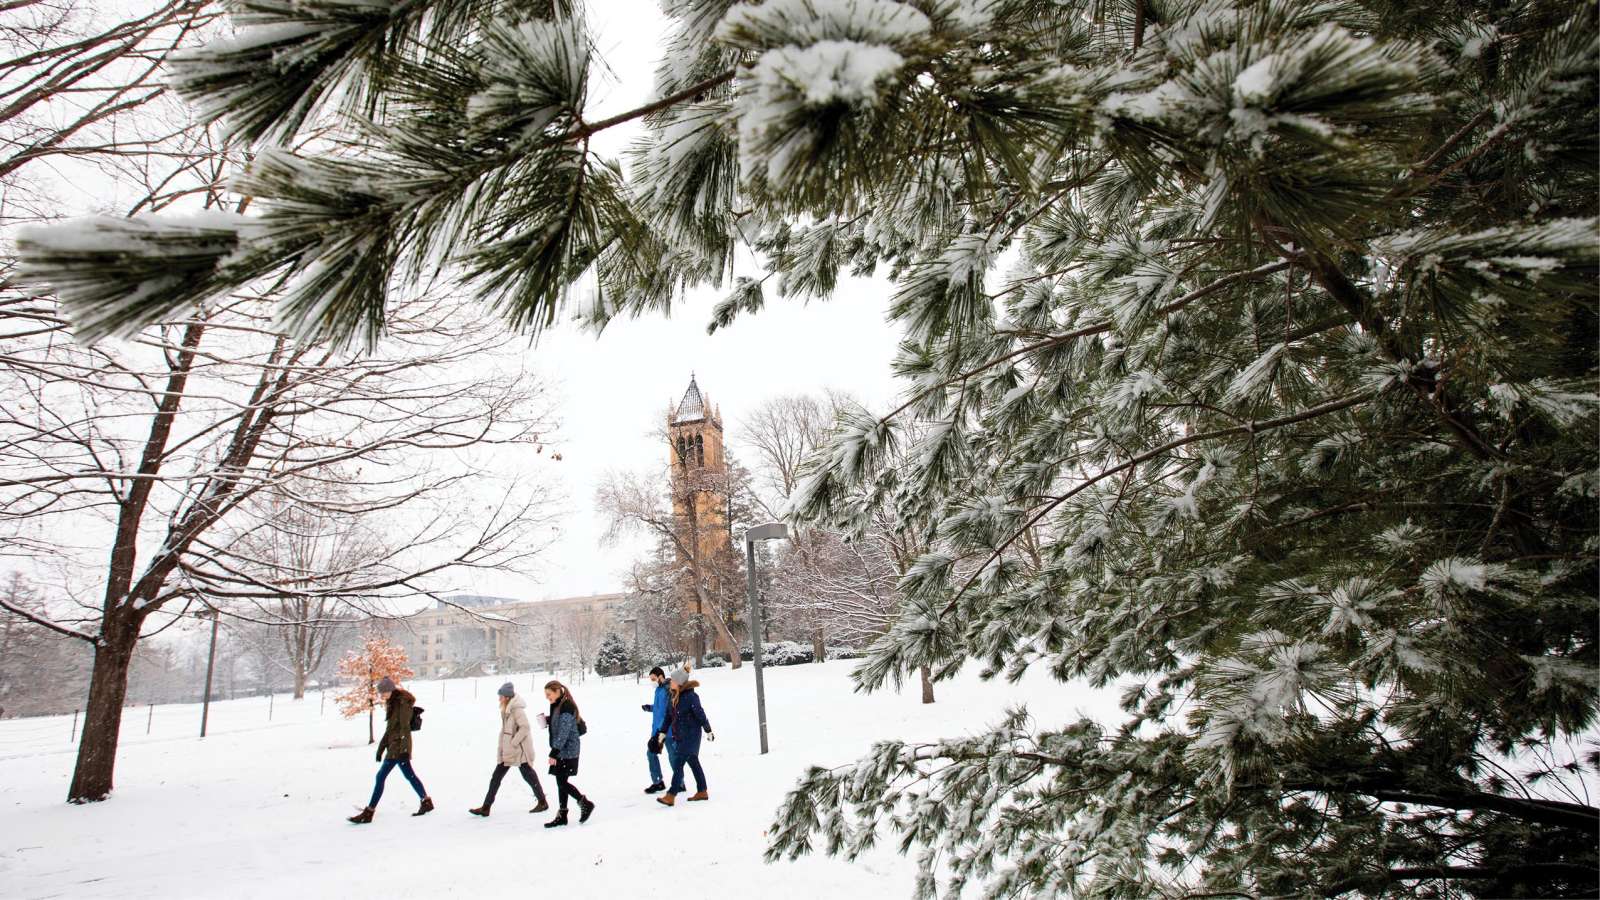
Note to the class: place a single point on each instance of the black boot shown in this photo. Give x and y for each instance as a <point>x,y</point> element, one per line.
<point>656,788</point>
<point>585,809</point>
<point>558,821</point>
<point>425,808</point>
<point>362,818</point>
<point>541,807</point>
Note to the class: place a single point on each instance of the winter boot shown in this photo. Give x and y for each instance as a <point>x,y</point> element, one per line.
<point>543,805</point>
<point>656,788</point>
<point>481,811</point>
<point>666,799</point>
<point>363,817</point>
<point>699,795</point>
<point>585,809</point>
<point>558,821</point>
<point>427,807</point>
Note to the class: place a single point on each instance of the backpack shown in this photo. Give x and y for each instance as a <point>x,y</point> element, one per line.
<point>583,728</point>
<point>416,718</point>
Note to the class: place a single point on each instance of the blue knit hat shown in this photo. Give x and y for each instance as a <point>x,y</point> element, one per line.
<point>506,690</point>
<point>386,686</point>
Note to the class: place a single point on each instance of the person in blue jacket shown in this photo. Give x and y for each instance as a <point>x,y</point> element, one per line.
<point>658,723</point>
<point>686,718</point>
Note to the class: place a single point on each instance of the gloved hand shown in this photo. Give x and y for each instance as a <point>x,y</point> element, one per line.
<point>647,707</point>
<point>710,736</point>
<point>654,744</point>
<point>379,757</point>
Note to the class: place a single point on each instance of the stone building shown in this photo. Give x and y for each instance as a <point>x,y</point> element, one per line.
<point>475,635</point>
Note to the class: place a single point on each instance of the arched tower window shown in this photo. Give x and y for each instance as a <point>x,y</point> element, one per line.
<point>699,451</point>
<point>683,451</point>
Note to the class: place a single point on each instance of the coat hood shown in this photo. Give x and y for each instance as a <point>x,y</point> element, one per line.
<point>515,704</point>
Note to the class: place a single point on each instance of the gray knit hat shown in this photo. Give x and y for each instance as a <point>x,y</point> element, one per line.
<point>507,690</point>
<point>386,686</point>
<point>680,677</point>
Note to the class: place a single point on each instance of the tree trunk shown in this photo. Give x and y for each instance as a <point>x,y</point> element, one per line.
<point>370,738</point>
<point>299,680</point>
<point>819,652</point>
<point>927,684</point>
<point>102,719</point>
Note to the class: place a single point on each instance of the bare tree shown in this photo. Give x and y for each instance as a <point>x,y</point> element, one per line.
<point>831,583</point>
<point>309,539</point>
<point>782,432</point>
<point>580,631</point>
<point>171,437</point>
<point>635,503</point>
<point>82,95</point>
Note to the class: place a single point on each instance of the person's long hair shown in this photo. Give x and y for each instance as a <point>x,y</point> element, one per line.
<point>563,698</point>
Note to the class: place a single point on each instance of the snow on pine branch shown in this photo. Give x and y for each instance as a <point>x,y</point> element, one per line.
<point>115,275</point>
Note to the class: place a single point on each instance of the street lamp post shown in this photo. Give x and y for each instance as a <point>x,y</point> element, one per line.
<point>211,664</point>
<point>772,531</point>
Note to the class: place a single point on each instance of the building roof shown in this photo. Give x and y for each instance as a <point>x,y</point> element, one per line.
<point>693,406</point>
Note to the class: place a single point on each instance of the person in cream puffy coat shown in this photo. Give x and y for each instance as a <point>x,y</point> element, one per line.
<point>516,749</point>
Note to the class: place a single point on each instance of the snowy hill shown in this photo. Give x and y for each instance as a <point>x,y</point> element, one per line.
<point>257,808</point>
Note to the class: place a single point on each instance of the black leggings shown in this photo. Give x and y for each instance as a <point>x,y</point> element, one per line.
<point>565,788</point>
<point>528,775</point>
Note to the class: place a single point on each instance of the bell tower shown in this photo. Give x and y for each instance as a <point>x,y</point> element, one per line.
<point>700,490</point>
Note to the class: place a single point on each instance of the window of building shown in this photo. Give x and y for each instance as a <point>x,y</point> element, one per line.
<point>699,450</point>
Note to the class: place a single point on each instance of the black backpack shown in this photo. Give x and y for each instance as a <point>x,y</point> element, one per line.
<point>583,728</point>
<point>416,718</point>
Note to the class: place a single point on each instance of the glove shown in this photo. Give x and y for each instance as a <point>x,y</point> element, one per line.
<point>653,745</point>
<point>379,757</point>
<point>710,736</point>
<point>647,707</point>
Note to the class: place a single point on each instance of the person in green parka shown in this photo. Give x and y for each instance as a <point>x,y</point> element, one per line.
<point>398,704</point>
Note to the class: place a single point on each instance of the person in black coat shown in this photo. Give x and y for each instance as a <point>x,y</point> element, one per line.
<point>686,719</point>
<point>566,727</point>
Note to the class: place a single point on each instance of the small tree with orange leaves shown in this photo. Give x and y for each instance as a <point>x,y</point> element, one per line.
<point>362,670</point>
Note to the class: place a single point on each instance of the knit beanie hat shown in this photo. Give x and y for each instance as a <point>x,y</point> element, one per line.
<point>506,690</point>
<point>680,677</point>
<point>386,685</point>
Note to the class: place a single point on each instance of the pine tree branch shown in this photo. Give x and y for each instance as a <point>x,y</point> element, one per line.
<point>1099,328</point>
<point>590,128</point>
<point>1390,787</point>
<point>1547,870</point>
<point>1251,428</point>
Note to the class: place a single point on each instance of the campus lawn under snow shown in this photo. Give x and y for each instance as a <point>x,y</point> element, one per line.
<point>257,808</point>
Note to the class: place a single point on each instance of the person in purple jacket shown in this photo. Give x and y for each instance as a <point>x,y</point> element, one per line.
<point>686,718</point>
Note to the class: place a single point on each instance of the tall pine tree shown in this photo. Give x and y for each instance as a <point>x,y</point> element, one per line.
<point>1268,326</point>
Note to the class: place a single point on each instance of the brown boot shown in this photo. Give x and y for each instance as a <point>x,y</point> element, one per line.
<point>425,808</point>
<point>541,807</point>
<point>362,818</point>
<point>700,795</point>
<point>666,799</point>
<point>481,811</point>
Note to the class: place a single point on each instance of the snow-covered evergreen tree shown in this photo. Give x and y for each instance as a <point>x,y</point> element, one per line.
<point>613,657</point>
<point>1252,350</point>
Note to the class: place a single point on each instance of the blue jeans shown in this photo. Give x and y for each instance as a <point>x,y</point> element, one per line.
<point>654,759</point>
<point>678,761</point>
<point>383,774</point>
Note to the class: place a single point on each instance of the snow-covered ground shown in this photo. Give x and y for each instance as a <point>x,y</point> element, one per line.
<point>257,808</point>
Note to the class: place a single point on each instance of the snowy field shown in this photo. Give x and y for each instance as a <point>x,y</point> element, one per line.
<point>257,808</point>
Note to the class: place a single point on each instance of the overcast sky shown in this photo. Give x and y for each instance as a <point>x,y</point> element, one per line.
<point>615,389</point>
